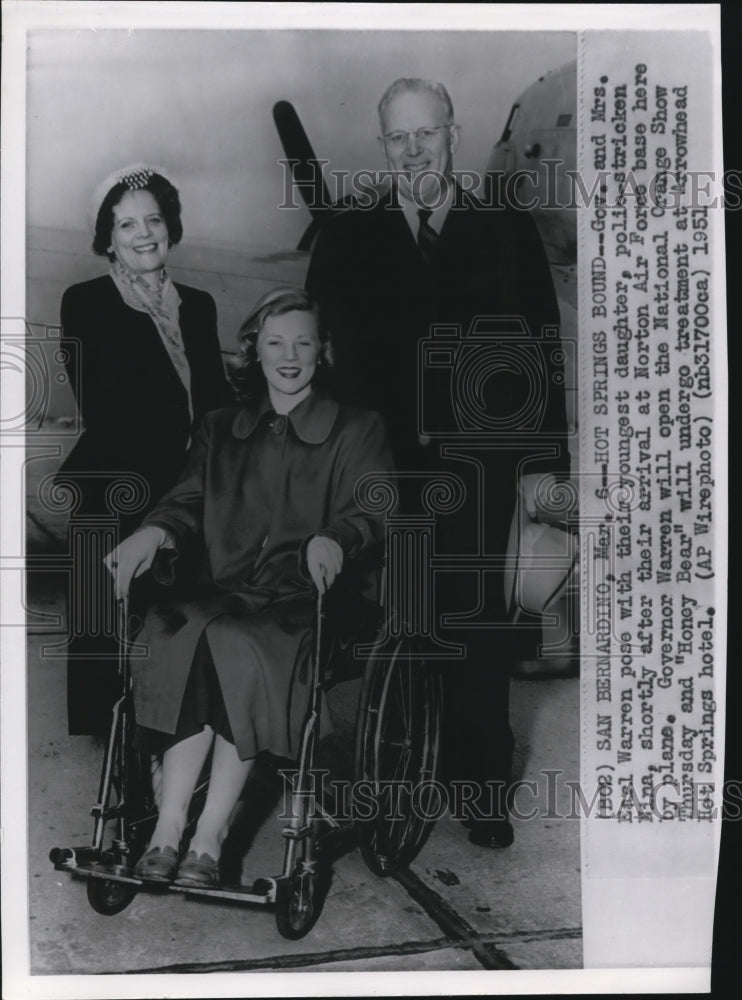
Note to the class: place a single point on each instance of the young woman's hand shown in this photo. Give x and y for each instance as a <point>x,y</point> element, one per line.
<point>324,561</point>
<point>134,556</point>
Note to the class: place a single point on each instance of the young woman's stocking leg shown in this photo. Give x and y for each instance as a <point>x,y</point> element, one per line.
<point>181,767</point>
<point>228,775</point>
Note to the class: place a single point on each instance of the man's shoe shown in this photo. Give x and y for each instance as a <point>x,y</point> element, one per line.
<point>491,832</point>
<point>157,865</point>
<point>201,871</point>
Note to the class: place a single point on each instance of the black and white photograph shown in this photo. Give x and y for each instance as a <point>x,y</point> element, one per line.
<point>363,399</point>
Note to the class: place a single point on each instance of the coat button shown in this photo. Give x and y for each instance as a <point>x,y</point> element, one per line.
<point>279,425</point>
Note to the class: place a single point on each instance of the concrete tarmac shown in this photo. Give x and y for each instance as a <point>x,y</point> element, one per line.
<point>459,907</point>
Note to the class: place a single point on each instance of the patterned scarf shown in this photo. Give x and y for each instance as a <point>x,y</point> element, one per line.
<point>163,305</point>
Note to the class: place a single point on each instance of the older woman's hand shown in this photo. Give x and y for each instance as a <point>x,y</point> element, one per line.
<point>134,556</point>
<point>324,561</point>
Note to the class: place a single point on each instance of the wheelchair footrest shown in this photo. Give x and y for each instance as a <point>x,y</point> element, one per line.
<point>71,858</point>
<point>262,891</point>
<point>100,869</point>
<point>85,863</point>
<point>117,873</point>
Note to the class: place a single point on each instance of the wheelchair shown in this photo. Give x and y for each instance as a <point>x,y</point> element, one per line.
<point>398,738</point>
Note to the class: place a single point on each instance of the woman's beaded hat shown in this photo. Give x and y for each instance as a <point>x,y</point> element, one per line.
<point>135,176</point>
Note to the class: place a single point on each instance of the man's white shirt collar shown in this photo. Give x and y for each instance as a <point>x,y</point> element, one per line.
<point>436,220</point>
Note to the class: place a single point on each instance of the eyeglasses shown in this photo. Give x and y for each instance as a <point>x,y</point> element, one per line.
<point>422,135</point>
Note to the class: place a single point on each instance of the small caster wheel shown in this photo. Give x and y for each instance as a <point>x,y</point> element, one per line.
<point>298,911</point>
<point>107,896</point>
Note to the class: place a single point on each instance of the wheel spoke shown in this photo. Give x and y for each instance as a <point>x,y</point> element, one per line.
<point>408,667</point>
<point>399,733</point>
<point>402,704</point>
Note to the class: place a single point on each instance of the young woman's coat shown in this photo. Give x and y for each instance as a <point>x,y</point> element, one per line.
<point>257,487</point>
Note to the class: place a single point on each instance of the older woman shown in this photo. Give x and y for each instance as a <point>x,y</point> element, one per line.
<point>148,368</point>
<point>268,496</point>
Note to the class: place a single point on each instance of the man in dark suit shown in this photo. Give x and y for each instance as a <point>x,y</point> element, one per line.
<point>426,253</point>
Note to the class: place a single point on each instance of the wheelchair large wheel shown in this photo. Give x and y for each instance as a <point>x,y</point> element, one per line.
<point>398,739</point>
<point>107,896</point>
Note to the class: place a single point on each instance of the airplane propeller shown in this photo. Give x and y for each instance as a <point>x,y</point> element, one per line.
<point>306,170</point>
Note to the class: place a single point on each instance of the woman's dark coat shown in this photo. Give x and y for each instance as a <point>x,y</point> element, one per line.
<point>137,427</point>
<point>133,405</point>
<point>257,487</point>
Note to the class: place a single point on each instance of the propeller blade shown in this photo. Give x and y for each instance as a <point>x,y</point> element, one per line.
<point>310,235</point>
<point>306,170</point>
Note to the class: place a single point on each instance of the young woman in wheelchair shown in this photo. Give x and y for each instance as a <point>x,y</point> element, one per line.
<point>263,514</point>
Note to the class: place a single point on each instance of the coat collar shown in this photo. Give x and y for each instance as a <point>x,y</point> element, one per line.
<point>312,420</point>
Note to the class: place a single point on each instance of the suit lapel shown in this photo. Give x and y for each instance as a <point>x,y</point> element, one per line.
<point>393,230</point>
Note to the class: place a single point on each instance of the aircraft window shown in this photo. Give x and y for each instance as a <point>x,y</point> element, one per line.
<point>563,121</point>
<point>510,122</point>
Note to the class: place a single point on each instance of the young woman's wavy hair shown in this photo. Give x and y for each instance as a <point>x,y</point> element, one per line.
<point>245,372</point>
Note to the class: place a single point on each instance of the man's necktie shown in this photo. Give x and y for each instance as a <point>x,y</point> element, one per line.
<point>427,237</point>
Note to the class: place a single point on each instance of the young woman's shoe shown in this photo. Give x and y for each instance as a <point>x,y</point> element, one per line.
<point>158,864</point>
<point>201,871</point>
